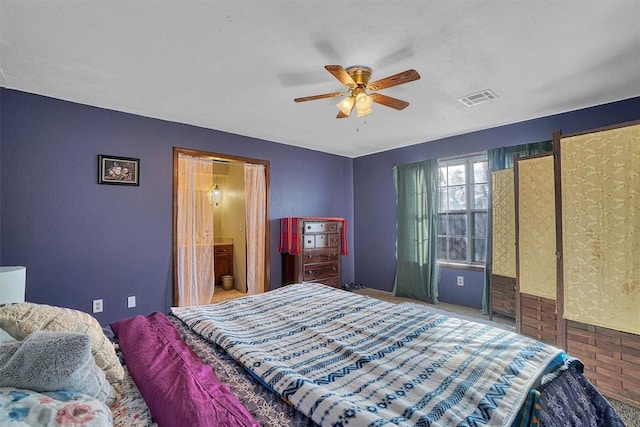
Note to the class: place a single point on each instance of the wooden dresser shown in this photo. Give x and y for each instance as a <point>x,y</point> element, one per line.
<point>320,247</point>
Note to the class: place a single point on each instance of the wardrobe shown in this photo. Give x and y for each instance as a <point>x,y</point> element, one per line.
<point>576,263</point>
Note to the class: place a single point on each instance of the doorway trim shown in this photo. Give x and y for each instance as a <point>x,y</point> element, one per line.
<point>223,158</point>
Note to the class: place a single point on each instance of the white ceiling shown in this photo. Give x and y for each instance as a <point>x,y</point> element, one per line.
<point>237,65</point>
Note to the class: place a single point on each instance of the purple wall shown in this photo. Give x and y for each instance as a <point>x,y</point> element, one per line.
<point>470,294</point>
<point>374,194</point>
<point>82,241</point>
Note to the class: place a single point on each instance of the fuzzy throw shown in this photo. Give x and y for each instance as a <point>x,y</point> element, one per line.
<point>50,361</point>
<point>20,320</point>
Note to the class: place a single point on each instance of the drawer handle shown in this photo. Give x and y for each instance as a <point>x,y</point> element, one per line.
<point>335,269</point>
<point>309,241</point>
<point>308,227</point>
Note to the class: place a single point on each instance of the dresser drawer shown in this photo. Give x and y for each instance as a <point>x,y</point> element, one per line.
<point>223,250</point>
<point>312,256</point>
<point>321,241</point>
<point>331,281</point>
<point>319,271</point>
<point>320,227</point>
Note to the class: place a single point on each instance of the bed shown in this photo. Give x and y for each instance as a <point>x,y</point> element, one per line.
<point>309,354</point>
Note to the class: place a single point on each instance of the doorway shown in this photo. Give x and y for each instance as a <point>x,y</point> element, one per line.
<point>220,225</point>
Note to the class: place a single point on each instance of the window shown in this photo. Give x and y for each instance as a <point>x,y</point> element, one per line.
<point>463,198</point>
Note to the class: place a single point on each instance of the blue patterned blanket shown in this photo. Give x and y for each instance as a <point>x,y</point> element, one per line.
<point>346,359</point>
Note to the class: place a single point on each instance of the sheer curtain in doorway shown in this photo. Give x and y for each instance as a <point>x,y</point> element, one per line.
<point>255,189</point>
<point>194,223</point>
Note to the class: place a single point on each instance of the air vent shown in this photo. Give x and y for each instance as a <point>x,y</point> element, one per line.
<point>478,98</point>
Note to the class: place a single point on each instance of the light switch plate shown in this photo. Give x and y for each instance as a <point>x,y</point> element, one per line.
<point>131,302</point>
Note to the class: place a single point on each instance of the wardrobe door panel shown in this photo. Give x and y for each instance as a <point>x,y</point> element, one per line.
<point>600,175</point>
<point>536,227</point>
<point>503,243</point>
<point>504,224</point>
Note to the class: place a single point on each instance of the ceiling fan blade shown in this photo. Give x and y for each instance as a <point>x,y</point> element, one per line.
<point>341,115</point>
<point>341,74</point>
<point>396,79</point>
<point>388,101</point>
<point>324,95</point>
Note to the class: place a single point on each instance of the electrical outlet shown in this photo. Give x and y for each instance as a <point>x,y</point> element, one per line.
<point>98,306</point>
<point>460,280</point>
<point>131,302</point>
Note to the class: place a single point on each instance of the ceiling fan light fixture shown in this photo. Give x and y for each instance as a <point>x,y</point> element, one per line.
<point>363,101</point>
<point>362,113</point>
<point>346,105</point>
<point>356,80</point>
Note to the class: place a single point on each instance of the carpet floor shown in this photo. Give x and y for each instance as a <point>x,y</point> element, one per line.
<point>220,294</point>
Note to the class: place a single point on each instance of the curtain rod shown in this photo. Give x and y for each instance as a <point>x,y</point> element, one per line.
<point>457,156</point>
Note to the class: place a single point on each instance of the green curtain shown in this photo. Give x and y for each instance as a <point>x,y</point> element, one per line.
<point>417,272</point>
<point>502,158</point>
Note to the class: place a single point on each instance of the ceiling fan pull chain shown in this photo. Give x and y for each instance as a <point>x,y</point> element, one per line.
<point>358,122</point>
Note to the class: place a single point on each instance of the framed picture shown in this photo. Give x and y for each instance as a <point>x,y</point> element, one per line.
<point>118,170</point>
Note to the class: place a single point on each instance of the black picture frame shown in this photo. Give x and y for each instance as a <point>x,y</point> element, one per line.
<point>117,170</point>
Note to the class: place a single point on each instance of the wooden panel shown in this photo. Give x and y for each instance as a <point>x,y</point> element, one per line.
<point>290,267</point>
<point>536,226</point>
<point>503,229</point>
<point>503,295</point>
<point>600,227</point>
<point>538,318</point>
<point>611,359</point>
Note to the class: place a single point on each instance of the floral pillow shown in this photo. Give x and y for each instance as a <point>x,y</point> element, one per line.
<point>20,407</point>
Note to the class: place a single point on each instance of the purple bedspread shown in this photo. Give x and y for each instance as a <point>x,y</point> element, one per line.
<point>179,389</point>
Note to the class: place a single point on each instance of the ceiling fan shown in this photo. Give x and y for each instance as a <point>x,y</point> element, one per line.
<point>361,94</point>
